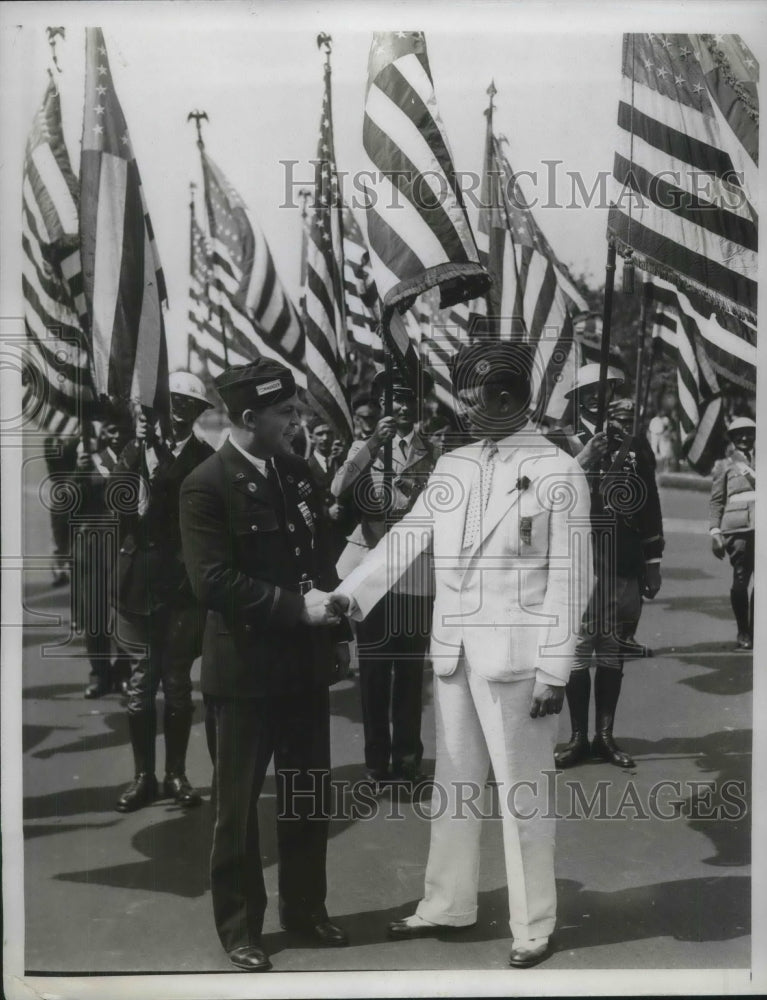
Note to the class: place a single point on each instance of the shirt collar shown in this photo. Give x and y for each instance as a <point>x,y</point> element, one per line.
<point>321,461</point>
<point>179,445</point>
<point>407,438</point>
<point>528,434</point>
<point>259,463</point>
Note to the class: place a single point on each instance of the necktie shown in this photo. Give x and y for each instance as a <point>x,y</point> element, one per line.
<point>480,493</point>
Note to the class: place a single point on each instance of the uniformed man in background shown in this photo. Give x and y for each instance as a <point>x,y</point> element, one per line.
<point>392,640</point>
<point>627,533</point>
<point>733,499</point>
<point>159,622</point>
<point>256,550</point>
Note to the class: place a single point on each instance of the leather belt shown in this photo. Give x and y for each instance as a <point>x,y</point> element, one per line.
<point>305,586</point>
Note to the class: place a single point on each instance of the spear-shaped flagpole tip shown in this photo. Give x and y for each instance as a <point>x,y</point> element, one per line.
<point>197,117</point>
<point>491,92</point>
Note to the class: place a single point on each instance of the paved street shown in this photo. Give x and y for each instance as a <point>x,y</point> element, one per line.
<point>111,892</point>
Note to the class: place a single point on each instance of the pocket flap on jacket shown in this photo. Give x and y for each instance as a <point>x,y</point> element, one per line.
<point>254,521</point>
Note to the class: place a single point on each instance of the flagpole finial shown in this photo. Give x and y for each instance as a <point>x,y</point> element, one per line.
<point>304,194</point>
<point>324,41</point>
<point>198,117</point>
<point>53,34</point>
<point>491,92</point>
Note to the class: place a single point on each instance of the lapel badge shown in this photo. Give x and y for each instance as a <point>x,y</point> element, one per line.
<point>526,530</point>
<point>240,475</point>
<point>252,487</point>
<point>290,479</point>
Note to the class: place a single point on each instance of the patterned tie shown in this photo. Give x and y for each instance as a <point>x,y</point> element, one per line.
<point>480,493</point>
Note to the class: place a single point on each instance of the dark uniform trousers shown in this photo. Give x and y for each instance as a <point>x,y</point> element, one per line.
<point>251,545</point>
<point>392,642</point>
<point>249,731</point>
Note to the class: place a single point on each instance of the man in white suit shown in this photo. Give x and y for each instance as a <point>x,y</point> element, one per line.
<point>506,520</point>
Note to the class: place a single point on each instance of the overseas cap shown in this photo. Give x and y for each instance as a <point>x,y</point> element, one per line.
<point>255,386</point>
<point>589,376</point>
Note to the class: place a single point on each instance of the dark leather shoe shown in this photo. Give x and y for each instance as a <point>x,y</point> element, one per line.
<point>176,786</point>
<point>250,958</point>
<point>525,957</point>
<point>574,752</point>
<point>98,688</point>
<point>633,650</point>
<point>404,930</point>
<point>141,791</point>
<point>320,932</point>
<point>604,747</point>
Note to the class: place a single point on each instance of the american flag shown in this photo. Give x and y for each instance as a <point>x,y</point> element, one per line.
<point>360,292</point>
<point>59,385</point>
<point>324,310</point>
<point>123,279</point>
<point>678,205</point>
<point>418,230</point>
<point>532,294</point>
<point>701,409</point>
<point>254,310</point>
<point>204,326</point>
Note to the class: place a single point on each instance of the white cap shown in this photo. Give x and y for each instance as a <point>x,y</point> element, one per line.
<point>742,424</point>
<point>187,384</point>
<point>589,375</point>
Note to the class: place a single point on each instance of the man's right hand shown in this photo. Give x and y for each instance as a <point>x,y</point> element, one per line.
<point>337,604</point>
<point>593,451</point>
<point>317,609</point>
<point>717,546</point>
<point>384,432</point>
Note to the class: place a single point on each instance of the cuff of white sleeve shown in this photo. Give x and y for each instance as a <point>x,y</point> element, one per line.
<point>544,678</point>
<point>714,531</point>
<point>354,611</point>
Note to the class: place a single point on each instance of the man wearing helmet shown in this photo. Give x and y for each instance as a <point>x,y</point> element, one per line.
<point>627,531</point>
<point>733,495</point>
<point>159,620</point>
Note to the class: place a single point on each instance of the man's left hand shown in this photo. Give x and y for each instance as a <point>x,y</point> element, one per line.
<point>547,700</point>
<point>651,580</point>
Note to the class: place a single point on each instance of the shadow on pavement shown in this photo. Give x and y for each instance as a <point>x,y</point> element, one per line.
<point>33,831</point>
<point>52,691</point>
<point>116,736</point>
<point>710,607</point>
<point>32,735</point>
<point>73,802</point>
<point>724,760</point>
<point>696,909</point>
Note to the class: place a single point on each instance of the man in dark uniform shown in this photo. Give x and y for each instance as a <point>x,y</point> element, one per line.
<point>92,575</point>
<point>256,550</point>
<point>733,500</point>
<point>159,622</point>
<point>393,639</point>
<point>324,460</point>
<point>627,532</point>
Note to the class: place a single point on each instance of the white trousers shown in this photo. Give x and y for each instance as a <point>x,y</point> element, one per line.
<point>480,722</point>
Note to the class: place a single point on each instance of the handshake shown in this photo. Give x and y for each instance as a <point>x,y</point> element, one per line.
<point>321,608</point>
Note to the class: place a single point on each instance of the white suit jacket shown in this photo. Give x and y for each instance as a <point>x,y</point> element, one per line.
<point>513,601</point>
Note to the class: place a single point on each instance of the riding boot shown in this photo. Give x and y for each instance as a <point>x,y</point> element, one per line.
<point>578,694</point>
<point>178,724</point>
<point>742,609</point>
<point>143,788</point>
<point>607,689</point>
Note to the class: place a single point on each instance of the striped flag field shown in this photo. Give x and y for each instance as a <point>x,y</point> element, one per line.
<point>323,294</point>
<point>59,385</point>
<point>253,309</point>
<point>677,202</point>
<point>417,227</point>
<point>123,280</point>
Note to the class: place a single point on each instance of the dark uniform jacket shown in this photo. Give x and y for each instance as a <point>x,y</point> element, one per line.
<point>248,549</point>
<point>626,518</point>
<point>150,567</point>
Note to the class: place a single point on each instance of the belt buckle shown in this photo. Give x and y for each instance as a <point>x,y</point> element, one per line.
<point>305,586</point>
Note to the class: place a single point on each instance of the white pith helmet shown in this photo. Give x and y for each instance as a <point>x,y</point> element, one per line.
<point>187,384</point>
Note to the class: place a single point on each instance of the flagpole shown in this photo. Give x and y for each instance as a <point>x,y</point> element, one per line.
<point>192,187</point>
<point>641,350</point>
<point>604,355</point>
<point>198,117</point>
